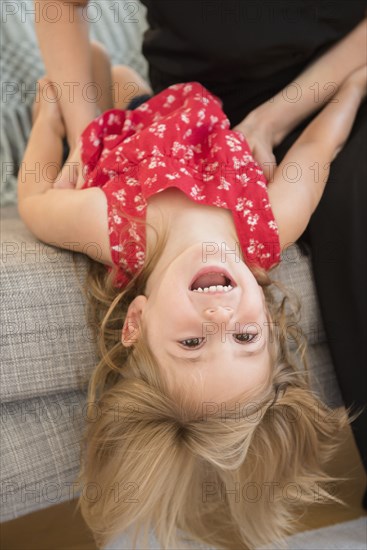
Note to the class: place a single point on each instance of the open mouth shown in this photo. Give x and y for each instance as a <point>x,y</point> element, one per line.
<point>212,279</point>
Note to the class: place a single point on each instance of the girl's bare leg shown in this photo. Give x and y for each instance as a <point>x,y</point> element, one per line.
<point>119,84</point>
<point>127,84</point>
<point>101,93</point>
<point>102,77</point>
<point>114,87</point>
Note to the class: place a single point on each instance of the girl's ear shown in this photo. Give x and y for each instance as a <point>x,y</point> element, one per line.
<point>131,328</point>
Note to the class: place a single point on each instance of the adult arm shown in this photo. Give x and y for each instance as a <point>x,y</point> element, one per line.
<point>267,125</point>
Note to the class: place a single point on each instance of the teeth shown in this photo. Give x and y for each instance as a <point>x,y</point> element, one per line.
<point>214,288</point>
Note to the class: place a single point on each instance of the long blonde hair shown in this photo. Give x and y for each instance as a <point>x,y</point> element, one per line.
<point>234,475</point>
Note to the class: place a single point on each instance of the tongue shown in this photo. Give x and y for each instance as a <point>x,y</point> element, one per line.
<point>209,279</point>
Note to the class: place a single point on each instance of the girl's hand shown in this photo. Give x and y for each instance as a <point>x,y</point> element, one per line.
<point>46,107</point>
<point>261,140</point>
<point>71,175</point>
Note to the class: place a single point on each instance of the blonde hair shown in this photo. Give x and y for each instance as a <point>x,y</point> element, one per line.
<point>234,475</point>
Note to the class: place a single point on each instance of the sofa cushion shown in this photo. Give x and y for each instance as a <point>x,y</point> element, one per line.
<point>46,344</point>
<point>40,445</point>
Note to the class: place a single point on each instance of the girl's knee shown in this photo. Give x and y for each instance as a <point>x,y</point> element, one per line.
<point>99,50</point>
<point>125,75</point>
<point>125,72</point>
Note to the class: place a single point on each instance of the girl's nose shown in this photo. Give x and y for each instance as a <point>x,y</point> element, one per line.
<point>218,313</point>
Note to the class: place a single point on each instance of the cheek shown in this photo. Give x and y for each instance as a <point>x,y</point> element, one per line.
<point>254,308</point>
<point>170,297</point>
<point>177,316</point>
<point>167,308</point>
<point>261,374</point>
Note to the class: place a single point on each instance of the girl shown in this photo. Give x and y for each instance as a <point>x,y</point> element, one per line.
<point>200,403</point>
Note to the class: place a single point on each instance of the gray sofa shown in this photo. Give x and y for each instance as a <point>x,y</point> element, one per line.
<point>47,350</point>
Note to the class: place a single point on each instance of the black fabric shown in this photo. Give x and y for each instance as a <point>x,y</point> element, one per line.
<point>138,100</point>
<point>245,51</point>
<point>65,150</point>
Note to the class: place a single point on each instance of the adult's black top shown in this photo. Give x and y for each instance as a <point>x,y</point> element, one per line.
<point>242,50</point>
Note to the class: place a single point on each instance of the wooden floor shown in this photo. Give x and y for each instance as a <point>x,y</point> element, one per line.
<point>58,528</point>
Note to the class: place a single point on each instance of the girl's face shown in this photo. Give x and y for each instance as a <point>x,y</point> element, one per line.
<point>218,339</point>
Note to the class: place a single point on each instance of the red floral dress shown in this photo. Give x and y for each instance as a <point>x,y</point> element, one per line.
<point>178,138</point>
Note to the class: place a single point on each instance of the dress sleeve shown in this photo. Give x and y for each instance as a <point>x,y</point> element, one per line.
<point>253,215</point>
<point>109,163</point>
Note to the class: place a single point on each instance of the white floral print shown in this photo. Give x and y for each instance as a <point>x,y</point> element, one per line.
<point>120,196</point>
<point>174,176</point>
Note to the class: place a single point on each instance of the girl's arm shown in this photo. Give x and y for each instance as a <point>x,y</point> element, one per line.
<point>300,178</point>
<point>42,159</point>
<point>267,125</point>
<point>73,219</point>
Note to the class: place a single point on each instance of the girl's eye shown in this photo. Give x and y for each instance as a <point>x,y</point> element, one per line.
<point>192,342</point>
<point>245,337</point>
